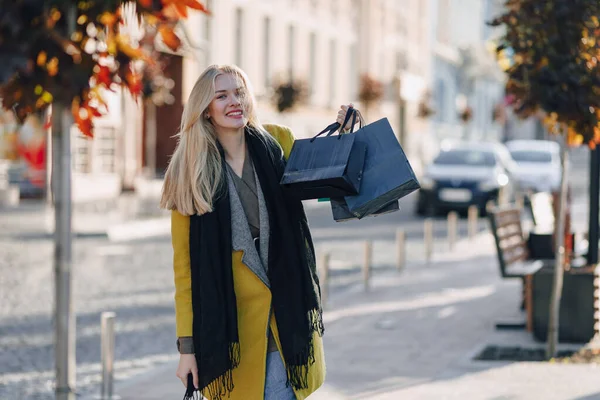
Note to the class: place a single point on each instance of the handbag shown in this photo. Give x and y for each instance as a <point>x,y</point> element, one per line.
<point>341,213</point>
<point>387,174</point>
<point>329,166</point>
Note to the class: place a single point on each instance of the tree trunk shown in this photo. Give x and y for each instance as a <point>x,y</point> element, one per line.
<point>64,319</point>
<point>63,311</point>
<point>553,322</point>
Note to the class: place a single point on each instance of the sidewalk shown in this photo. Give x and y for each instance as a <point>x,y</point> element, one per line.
<point>414,335</point>
<point>127,217</point>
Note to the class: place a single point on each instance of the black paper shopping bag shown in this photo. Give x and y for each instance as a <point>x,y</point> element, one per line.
<point>329,166</point>
<point>341,213</point>
<point>387,174</point>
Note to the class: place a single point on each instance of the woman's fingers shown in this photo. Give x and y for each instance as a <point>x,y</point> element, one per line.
<point>195,375</point>
<point>342,114</point>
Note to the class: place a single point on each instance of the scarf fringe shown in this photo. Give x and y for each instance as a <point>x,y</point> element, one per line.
<point>220,387</point>
<point>297,368</point>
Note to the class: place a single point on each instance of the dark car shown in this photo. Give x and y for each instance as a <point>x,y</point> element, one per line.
<point>464,175</point>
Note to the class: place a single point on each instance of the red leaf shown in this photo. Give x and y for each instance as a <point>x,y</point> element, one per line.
<point>169,37</point>
<point>196,5</point>
<point>104,76</point>
<point>83,118</point>
<point>134,84</point>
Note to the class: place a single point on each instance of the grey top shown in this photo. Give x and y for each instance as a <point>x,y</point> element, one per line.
<point>246,189</point>
<point>249,218</point>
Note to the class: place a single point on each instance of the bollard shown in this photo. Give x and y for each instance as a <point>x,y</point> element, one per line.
<point>367,263</point>
<point>428,238</point>
<point>400,249</point>
<point>452,229</point>
<point>473,216</point>
<point>324,276</point>
<point>107,332</point>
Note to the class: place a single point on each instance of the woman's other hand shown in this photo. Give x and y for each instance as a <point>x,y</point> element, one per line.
<point>342,116</point>
<point>187,365</point>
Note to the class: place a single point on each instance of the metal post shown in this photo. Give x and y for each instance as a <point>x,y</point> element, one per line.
<point>452,229</point>
<point>592,256</point>
<point>428,238</point>
<point>473,215</point>
<point>324,277</point>
<point>400,249</point>
<point>64,339</point>
<point>150,138</point>
<point>107,347</point>
<point>63,312</point>
<point>367,263</point>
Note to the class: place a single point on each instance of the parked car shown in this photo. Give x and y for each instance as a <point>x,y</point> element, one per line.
<point>464,175</point>
<point>538,164</point>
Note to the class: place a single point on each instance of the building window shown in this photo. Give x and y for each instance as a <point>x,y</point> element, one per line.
<point>355,12</point>
<point>440,100</point>
<point>334,9</point>
<point>313,62</point>
<point>267,51</point>
<point>291,50</point>
<point>313,6</point>
<point>353,62</point>
<point>239,31</point>
<point>401,63</point>
<point>332,70</point>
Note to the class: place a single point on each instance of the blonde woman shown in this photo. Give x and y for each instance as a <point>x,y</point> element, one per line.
<point>247,296</point>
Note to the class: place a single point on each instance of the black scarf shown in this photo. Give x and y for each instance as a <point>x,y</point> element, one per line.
<point>291,271</point>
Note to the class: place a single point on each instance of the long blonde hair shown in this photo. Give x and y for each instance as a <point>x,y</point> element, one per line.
<point>194,172</point>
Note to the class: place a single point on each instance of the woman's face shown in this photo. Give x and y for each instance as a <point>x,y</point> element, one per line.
<point>227,109</point>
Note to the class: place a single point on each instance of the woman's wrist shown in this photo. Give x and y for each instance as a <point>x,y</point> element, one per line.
<point>185,345</point>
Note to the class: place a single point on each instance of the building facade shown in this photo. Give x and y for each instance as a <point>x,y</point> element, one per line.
<point>415,48</point>
<point>465,73</point>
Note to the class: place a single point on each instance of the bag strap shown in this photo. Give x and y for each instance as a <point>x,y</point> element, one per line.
<point>337,126</point>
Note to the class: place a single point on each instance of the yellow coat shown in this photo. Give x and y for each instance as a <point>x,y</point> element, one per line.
<point>253,305</point>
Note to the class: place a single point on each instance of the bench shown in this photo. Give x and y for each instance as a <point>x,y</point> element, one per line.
<point>513,253</point>
<point>511,245</point>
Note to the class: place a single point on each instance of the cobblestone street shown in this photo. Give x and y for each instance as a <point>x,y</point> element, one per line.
<point>132,278</point>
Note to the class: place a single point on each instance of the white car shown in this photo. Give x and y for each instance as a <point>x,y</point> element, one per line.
<point>538,164</point>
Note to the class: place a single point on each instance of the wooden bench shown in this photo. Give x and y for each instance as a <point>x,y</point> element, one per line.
<point>511,245</point>
<point>513,253</point>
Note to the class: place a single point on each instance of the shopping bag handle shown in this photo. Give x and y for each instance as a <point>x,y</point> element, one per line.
<point>336,125</point>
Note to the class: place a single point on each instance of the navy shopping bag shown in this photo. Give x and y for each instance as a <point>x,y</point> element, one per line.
<point>387,174</point>
<point>329,166</point>
<point>341,213</point>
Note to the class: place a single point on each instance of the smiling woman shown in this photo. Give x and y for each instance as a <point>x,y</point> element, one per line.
<point>247,297</point>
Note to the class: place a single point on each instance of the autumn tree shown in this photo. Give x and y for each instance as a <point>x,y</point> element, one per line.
<point>550,51</point>
<point>68,53</point>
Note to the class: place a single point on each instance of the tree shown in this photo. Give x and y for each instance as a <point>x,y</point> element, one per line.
<point>67,53</point>
<point>550,51</point>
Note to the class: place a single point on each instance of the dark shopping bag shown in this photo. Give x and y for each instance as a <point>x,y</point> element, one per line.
<point>329,166</point>
<point>341,213</point>
<point>387,174</point>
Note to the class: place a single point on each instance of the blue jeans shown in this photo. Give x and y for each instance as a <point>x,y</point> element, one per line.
<point>276,377</point>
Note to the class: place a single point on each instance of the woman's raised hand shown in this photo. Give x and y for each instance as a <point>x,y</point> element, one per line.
<point>342,116</point>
